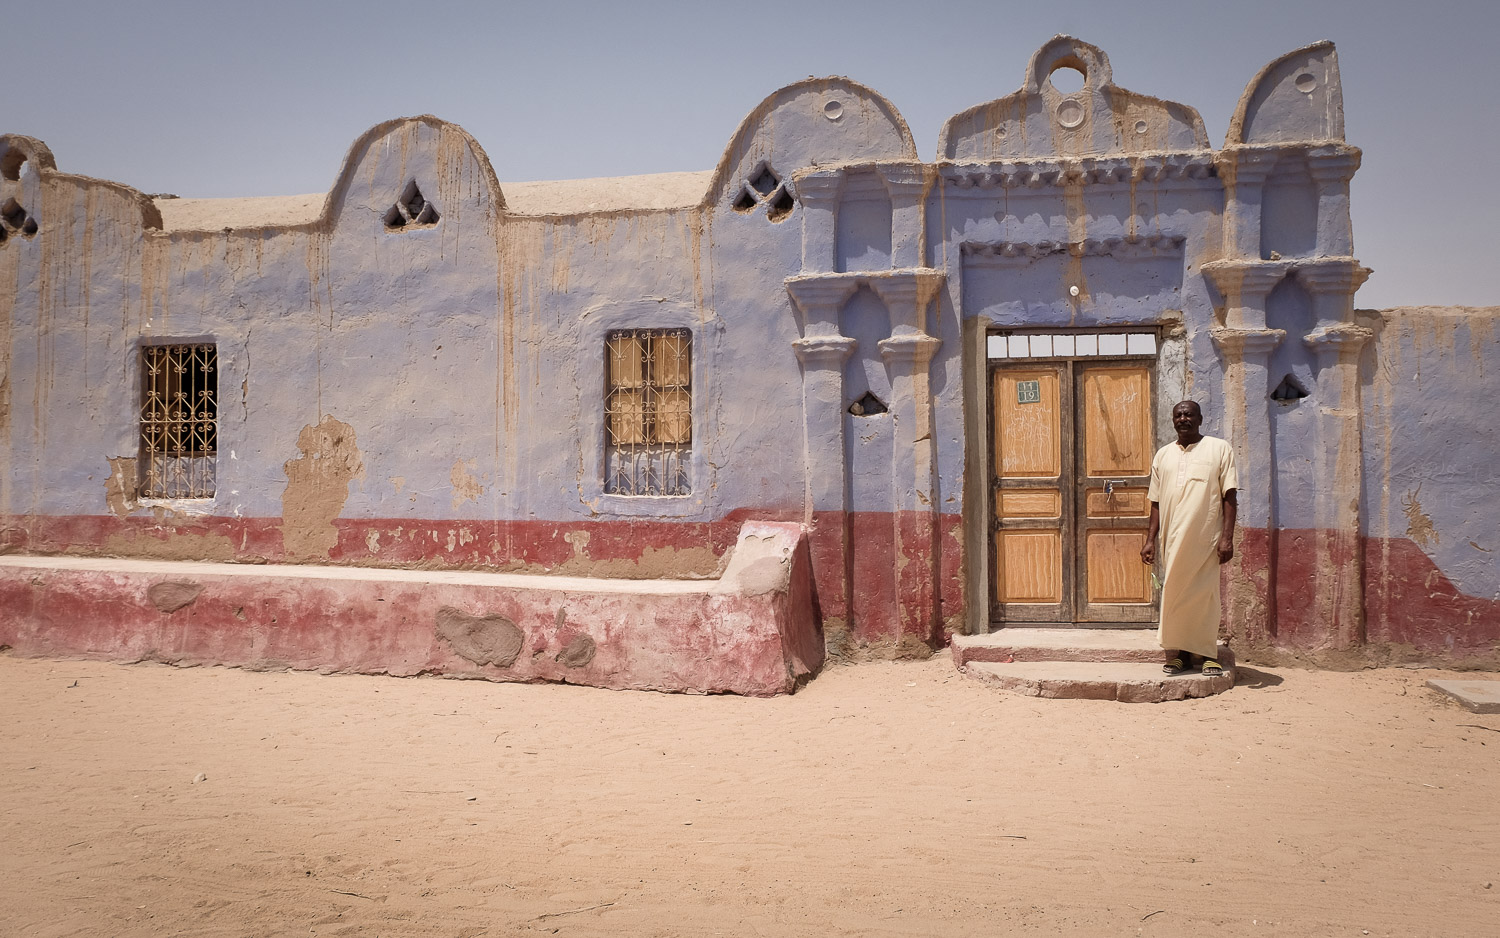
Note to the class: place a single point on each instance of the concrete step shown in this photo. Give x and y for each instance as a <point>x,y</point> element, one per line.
<point>1125,681</point>
<point>1022,644</point>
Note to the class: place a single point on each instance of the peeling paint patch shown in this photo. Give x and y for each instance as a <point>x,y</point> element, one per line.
<point>1418,523</point>
<point>491,639</point>
<point>213,548</point>
<point>317,485</point>
<point>119,488</point>
<point>580,542</point>
<point>466,487</point>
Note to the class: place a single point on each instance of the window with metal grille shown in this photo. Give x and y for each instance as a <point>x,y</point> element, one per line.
<point>648,412</point>
<point>179,420</point>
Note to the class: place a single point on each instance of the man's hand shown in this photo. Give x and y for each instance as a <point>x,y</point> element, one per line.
<point>1148,553</point>
<point>1226,550</point>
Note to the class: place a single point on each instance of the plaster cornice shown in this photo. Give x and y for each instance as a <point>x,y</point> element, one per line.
<point>1342,337</point>
<point>1331,274</point>
<point>915,348</point>
<point>1181,166</point>
<point>1018,253</point>
<point>1233,344</point>
<point>824,350</point>
<point>1241,278</point>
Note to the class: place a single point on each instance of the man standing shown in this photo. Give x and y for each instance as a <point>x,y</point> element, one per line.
<point>1194,503</point>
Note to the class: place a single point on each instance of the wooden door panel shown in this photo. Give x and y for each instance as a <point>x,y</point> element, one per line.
<point>1033,503</point>
<point>1028,433</point>
<point>1117,421</point>
<point>1122,502</point>
<point>1072,443</point>
<point>1032,413</point>
<point>1115,445</point>
<point>1115,572</point>
<point>1028,566</point>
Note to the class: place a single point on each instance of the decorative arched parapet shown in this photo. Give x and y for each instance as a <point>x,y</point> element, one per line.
<point>1297,98</point>
<point>18,150</point>
<point>411,172</point>
<point>818,121</point>
<point>1041,121</point>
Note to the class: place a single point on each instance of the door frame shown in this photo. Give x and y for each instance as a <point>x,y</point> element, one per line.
<point>1074,492</point>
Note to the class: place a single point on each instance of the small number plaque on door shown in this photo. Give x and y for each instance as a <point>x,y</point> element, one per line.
<point>1028,392</point>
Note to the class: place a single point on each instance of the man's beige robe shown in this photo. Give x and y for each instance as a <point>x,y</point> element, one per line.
<point>1188,484</point>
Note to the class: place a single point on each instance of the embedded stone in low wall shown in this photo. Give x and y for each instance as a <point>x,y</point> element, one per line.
<point>752,631</point>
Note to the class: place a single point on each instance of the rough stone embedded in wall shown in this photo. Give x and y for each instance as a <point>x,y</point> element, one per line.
<point>173,595</point>
<point>485,640</point>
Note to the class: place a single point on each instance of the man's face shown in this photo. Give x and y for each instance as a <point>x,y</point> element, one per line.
<point>1186,419</point>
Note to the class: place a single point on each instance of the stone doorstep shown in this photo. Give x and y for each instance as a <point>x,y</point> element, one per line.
<point>1040,644</point>
<point>1477,696</point>
<point>1123,681</point>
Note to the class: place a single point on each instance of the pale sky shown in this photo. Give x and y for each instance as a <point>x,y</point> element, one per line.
<point>205,98</point>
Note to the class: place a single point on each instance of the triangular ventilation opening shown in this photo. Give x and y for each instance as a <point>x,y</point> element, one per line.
<point>1290,389</point>
<point>781,205</point>
<point>411,209</point>
<point>867,406</point>
<point>765,180</point>
<point>13,214</point>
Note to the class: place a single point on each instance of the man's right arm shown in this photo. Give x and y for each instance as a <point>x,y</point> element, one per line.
<point>1148,550</point>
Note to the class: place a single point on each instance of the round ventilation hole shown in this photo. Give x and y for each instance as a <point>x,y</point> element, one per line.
<point>1306,82</point>
<point>1070,113</point>
<point>1140,127</point>
<point>833,110</point>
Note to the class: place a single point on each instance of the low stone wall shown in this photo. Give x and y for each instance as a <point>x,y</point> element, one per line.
<point>751,631</point>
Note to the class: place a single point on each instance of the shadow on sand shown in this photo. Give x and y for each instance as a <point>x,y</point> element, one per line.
<point>1253,678</point>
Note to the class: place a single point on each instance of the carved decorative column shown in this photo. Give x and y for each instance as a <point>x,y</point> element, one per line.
<point>908,354</point>
<point>823,351</point>
<point>1331,282</point>
<point>1244,173</point>
<point>907,295</point>
<point>913,472</point>
<point>1246,354</point>
<point>1245,284</point>
<point>1331,169</point>
<point>818,191</point>
<point>907,184</point>
<point>1338,560</point>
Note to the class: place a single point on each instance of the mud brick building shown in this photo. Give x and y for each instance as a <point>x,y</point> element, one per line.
<point>690,430</point>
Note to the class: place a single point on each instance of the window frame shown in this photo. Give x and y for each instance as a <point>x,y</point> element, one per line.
<point>703,329</point>
<point>145,454</point>
<point>643,419</point>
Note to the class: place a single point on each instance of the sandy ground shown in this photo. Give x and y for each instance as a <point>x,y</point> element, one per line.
<point>884,799</point>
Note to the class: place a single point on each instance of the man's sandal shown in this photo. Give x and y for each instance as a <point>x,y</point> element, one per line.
<point>1212,668</point>
<point>1175,666</point>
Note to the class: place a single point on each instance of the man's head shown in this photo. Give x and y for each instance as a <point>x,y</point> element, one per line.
<point>1187,417</point>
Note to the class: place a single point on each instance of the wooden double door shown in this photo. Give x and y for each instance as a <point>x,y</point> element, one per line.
<point>1072,446</point>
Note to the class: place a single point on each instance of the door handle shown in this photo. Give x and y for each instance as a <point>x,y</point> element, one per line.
<point>1109,486</point>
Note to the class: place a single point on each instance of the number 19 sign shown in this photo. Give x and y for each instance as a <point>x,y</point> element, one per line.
<point>1028,392</point>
